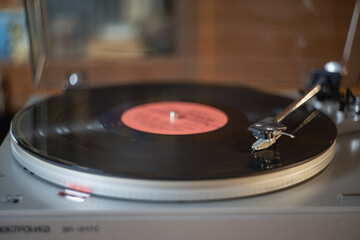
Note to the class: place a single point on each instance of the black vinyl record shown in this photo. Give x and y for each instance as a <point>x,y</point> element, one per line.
<point>83,130</point>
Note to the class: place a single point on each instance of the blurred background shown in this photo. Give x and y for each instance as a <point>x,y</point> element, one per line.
<point>269,45</point>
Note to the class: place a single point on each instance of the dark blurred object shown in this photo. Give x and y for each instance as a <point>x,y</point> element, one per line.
<point>329,78</point>
<point>2,96</point>
<point>341,106</point>
<point>349,99</point>
<point>5,117</point>
<point>330,82</point>
<point>4,126</point>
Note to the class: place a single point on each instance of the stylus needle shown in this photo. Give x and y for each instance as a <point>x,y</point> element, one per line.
<point>268,130</point>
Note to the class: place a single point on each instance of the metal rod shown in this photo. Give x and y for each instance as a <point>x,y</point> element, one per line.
<point>296,104</point>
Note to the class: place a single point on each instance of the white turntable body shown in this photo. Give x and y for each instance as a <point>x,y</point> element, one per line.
<point>325,207</point>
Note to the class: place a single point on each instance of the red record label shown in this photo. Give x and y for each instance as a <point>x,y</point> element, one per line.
<point>174,118</point>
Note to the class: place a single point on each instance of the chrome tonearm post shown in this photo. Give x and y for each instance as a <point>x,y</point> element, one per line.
<point>268,130</point>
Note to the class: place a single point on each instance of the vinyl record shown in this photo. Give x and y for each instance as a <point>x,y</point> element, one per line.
<point>164,134</point>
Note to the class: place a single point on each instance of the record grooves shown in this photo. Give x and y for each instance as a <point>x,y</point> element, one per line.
<point>82,132</point>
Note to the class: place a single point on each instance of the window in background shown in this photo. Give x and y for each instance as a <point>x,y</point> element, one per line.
<point>109,28</point>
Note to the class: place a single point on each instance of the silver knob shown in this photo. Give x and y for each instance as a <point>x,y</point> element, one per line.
<point>334,67</point>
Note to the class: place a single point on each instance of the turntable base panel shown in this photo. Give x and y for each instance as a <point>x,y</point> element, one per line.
<point>313,209</point>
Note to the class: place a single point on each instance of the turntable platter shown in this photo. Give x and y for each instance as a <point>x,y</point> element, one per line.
<point>168,142</point>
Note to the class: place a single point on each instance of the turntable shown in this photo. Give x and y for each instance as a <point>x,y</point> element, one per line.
<point>178,160</point>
